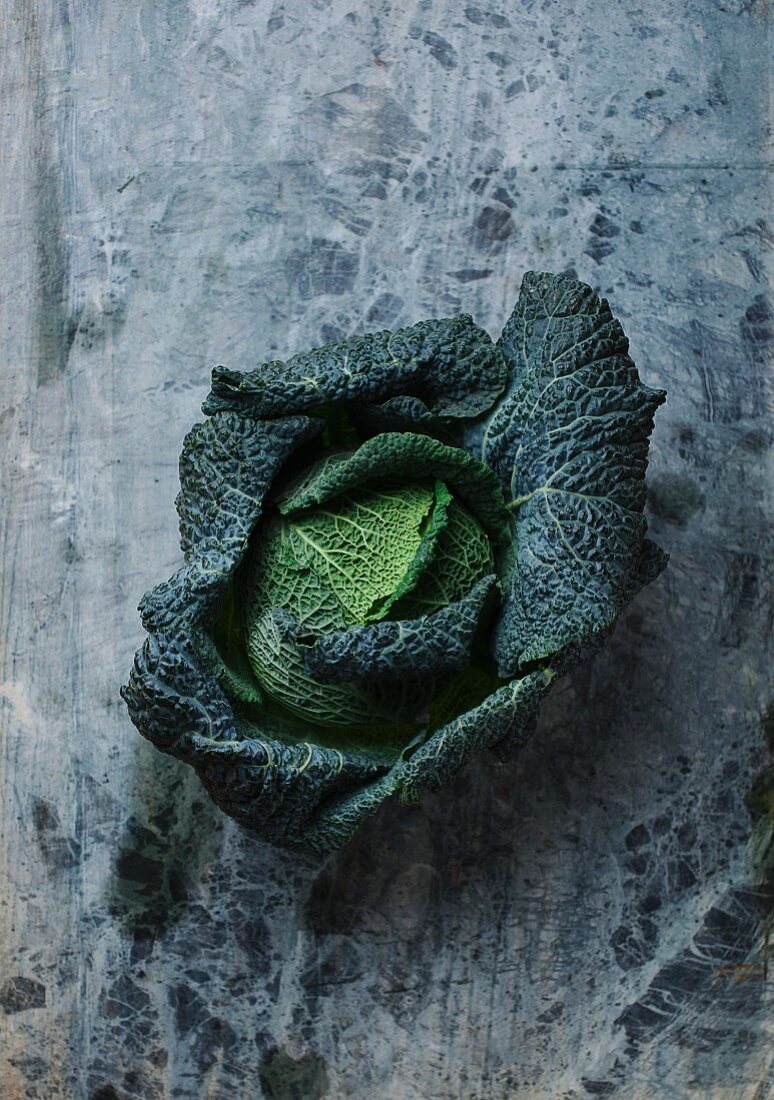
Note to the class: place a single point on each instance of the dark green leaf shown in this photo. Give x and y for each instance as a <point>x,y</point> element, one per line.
<point>451,365</point>
<point>570,443</point>
<point>439,642</point>
<point>263,783</point>
<point>277,657</point>
<point>507,714</point>
<point>226,468</point>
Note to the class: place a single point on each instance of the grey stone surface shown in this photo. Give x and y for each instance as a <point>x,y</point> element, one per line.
<point>192,182</point>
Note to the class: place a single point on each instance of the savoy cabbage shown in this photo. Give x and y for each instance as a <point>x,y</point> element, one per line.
<point>392,545</point>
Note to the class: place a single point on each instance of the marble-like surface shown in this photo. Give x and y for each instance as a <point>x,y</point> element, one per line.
<point>192,182</point>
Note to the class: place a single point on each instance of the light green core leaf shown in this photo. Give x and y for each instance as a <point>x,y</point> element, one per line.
<point>370,553</point>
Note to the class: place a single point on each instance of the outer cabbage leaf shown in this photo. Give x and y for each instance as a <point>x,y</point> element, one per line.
<point>570,443</point>
<point>263,783</point>
<point>410,414</point>
<point>507,714</point>
<point>649,565</point>
<point>303,794</point>
<point>226,468</point>
<point>451,366</point>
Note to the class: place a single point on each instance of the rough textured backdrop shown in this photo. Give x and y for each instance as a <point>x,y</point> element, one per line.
<point>192,182</point>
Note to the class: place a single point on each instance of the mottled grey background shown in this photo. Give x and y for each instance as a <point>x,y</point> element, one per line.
<point>192,182</point>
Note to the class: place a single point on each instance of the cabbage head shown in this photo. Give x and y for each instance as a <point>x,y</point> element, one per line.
<point>392,545</point>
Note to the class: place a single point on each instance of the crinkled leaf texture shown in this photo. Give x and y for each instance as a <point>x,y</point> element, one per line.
<point>561,421</point>
<point>570,444</point>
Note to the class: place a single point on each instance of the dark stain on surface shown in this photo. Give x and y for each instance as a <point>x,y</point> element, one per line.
<point>516,87</point>
<point>637,837</point>
<point>728,936</point>
<point>329,334</point>
<point>172,831</point>
<point>498,59</point>
<point>31,1065</point>
<point>748,589</point>
<point>337,964</point>
<point>127,1010</point>
<point>149,883</point>
<point>207,1033</point>
<point>471,274</point>
<point>124,1001</point>
<point>56,328</point>
<point>675,498</point>
<point>285,1078</point>
<point>755,442</point>
<point>551,1014</point>
<point>106,1092</point>
<point>331,906</point>
<point>326,267</point>
<point>440,50</point>
<point>346,214</point>
<point>767,725</point>
<point>384,310</point>
<point>58,851</point>
<point>717,96</point>
<point>598,1088</point>
<point>479,17</point>
<point>634,945</point>
<point>755,327</point>
<point>681,876</point>
<point>18,994</point>
<point>493,226</point>
<point>189,1008</point>
<point>602,232</point>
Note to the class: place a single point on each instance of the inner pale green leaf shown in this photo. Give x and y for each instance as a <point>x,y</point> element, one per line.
<point>340,563</point>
